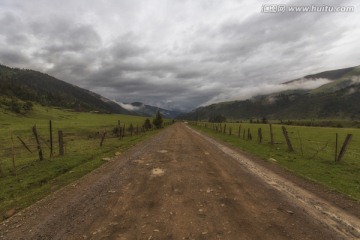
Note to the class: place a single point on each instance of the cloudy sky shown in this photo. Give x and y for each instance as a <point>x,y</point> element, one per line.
<point>177,54</point>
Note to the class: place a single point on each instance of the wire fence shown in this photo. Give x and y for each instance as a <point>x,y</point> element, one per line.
<point>19,148</point>
<point>323,144</point>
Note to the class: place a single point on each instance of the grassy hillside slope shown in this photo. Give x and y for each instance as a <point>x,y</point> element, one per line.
<point>29,85</point>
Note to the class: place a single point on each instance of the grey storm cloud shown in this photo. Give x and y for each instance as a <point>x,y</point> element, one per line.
<point>177,54</point>
<point>13,56</point>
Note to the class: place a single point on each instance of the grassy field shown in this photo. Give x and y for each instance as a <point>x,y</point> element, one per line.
<point>314,156</point>
<point>32,179</point>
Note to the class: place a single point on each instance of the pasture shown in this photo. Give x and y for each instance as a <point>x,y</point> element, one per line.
<point>313,156</point>
<point>24,178</point>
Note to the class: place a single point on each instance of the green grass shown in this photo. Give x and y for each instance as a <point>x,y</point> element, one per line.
<point>314,152</point>
<point>33,179</point>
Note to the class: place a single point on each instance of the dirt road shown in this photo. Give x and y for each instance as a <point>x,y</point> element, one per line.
<point>182,185</point>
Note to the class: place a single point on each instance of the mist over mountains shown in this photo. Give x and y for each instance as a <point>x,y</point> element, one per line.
<point>330,94</point>
<point>147,110</point>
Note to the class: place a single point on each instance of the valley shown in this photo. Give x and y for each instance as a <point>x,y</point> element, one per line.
<point>183,185</point>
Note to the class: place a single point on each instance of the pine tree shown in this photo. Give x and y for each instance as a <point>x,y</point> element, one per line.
<point>158,121</point>
<point>147,124</point>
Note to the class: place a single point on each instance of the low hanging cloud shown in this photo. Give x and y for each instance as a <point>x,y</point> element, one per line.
<point>178,54</point>
<point>355,79</point>
<point>307,83</point>
<point>248,92</point>
<point>128,106</point>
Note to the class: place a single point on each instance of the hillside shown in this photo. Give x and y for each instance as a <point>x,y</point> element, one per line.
<point>336,99</point>
<point>28,85</point>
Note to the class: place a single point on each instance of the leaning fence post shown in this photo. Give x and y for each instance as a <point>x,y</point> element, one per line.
<point>344,147</point>
<point>24,144</point>
<point>288,142</point>
<point>38,143</point>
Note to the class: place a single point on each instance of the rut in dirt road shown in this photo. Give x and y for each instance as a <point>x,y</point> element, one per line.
<point>177,185</point>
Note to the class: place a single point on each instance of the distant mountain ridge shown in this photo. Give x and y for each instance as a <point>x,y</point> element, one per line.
<point>331,75</point>
<point>338,98</point>
<point>34,86</point>
<point>29,85</point>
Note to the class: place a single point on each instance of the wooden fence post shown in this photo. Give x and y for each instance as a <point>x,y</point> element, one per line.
<point>61,143</point>
<point>38,143</point>
<point>13,153</point>
<point>118,130</point>
<point>239,131</point>
<point>271,135</point>
<point>51,139</point>
<point>301,145</point>
<point>1,171</point>
<point>260,135</point>
<point>344,147</point>
<point>336,146</point>
<point>288,142</point>
<point>230,131</point>
<point>102,139</point>
<point>224,128</point>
